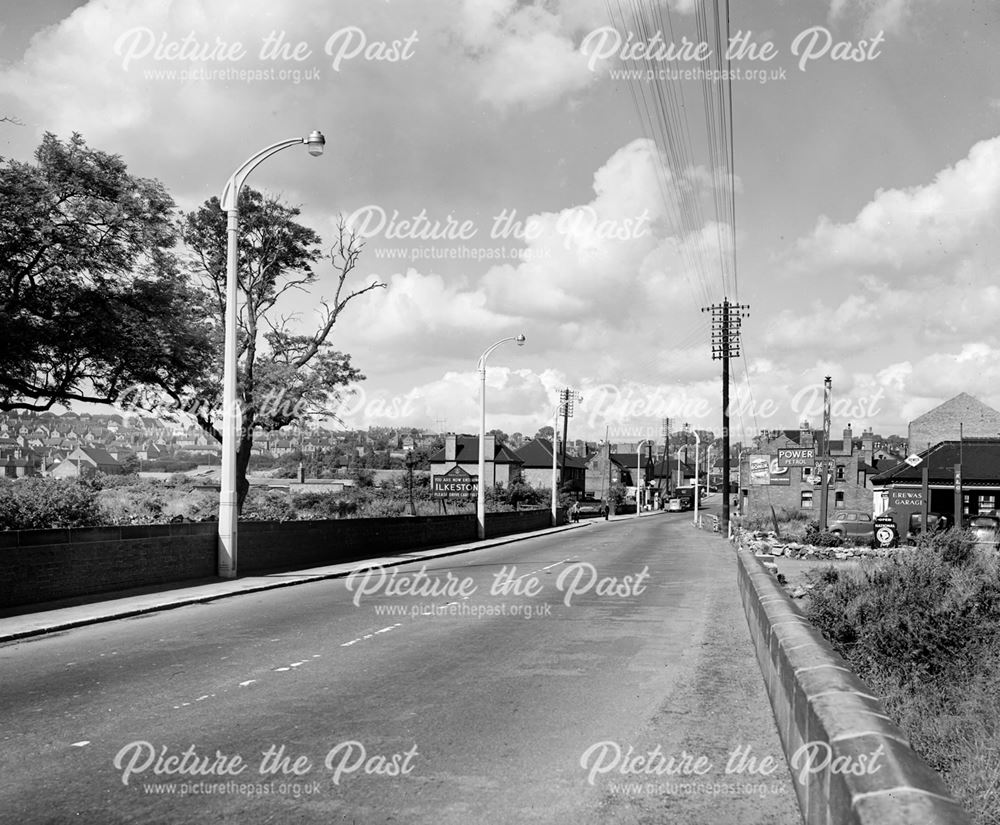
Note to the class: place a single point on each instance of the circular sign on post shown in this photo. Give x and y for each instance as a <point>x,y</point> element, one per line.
<point>886,533</point>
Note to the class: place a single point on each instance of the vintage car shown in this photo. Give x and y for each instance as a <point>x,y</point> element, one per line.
<point>680,501</point>
<point>986,528</point>
<point>935,522</point>
<point>851,523</point>
<point>589,508</point>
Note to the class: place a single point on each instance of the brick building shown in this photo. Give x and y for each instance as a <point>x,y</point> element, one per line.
<point>900,489</point>
<point>536,467</point>
<point>766,482</point>
<point>962,415</point>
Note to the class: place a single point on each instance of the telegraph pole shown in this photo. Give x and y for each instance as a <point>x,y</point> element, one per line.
<point>566,399</point>
<point>727,319</point>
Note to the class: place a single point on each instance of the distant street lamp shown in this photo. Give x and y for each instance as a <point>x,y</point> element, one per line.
<point>697,475</point>
<point>228,517</point>
<point>481,494</point>
<point>638,459</point>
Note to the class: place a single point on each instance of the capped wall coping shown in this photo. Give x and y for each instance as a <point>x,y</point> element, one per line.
<point>826,796</point>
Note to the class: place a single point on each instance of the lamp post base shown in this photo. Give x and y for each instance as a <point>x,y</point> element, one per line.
<point>226,547</point>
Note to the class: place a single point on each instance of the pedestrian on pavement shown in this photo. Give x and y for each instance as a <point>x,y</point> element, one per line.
<point>604,508</point>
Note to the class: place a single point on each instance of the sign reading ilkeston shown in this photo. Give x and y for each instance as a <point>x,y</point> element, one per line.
<point>456,483</point>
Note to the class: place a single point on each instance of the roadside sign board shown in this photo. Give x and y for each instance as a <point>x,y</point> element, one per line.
<point>913,459</point>
<point>796,456</point>
<point>886,532</point>
<point>760,470</point>
<point>906,498</point>
<point>456,483</point>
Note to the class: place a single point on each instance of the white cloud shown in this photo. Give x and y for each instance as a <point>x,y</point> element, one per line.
<point>914,268</point>
<point>612,259</point>
<point>919,227</point>
<point>877,15</point>
<point>523,53</point>
<point>423,306</point>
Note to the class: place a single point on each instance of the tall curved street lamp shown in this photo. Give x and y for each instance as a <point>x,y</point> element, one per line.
<point>697,478</point>
<point>481,485</point>
<point>708,468</point>
<point>638,470</point>
<point>228,518</point>
<point>555,473</point>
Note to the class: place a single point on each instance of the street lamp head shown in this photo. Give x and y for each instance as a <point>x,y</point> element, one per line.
<point>520,340</point>
<point>315,142</point>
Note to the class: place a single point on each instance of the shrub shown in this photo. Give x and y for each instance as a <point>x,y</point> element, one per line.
<point>317,505</point>
<point>268,505</point>
<point>382,507</point>
<point>956,546</point>
<point>923,630</point>
<point>915,616</point>
<point>39,503</point>
<point>124,505</point>
<point>826,539</point>
<point>155,502</point>
<point>102,481</point>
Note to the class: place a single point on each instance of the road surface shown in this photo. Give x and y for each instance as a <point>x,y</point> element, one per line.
<point>600,675</point>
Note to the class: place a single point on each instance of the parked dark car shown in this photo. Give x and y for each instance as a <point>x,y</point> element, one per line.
<point>853,523</point>
<point>589,508</point>
<point>986,529</point>
<point>935,523</point>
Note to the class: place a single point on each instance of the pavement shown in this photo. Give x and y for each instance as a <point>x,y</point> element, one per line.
<point>24,621</point>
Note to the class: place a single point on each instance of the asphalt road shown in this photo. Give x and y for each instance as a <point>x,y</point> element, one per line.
<point>503,685</point>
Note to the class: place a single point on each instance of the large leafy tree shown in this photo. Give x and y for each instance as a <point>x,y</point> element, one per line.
<point>91,299</point>
<point>284,377</point>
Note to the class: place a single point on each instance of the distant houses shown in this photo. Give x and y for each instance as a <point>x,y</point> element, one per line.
<point>536,466</point>
<point>87,460</point>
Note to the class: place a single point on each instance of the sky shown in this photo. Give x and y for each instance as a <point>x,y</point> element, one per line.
<point>501,164</point>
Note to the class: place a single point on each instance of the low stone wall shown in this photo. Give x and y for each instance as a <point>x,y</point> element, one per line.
<point>45,565</point>
<point>761,542</point>
<point>849,762</point>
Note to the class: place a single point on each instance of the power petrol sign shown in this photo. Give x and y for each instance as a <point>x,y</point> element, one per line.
<point>796,456</point>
